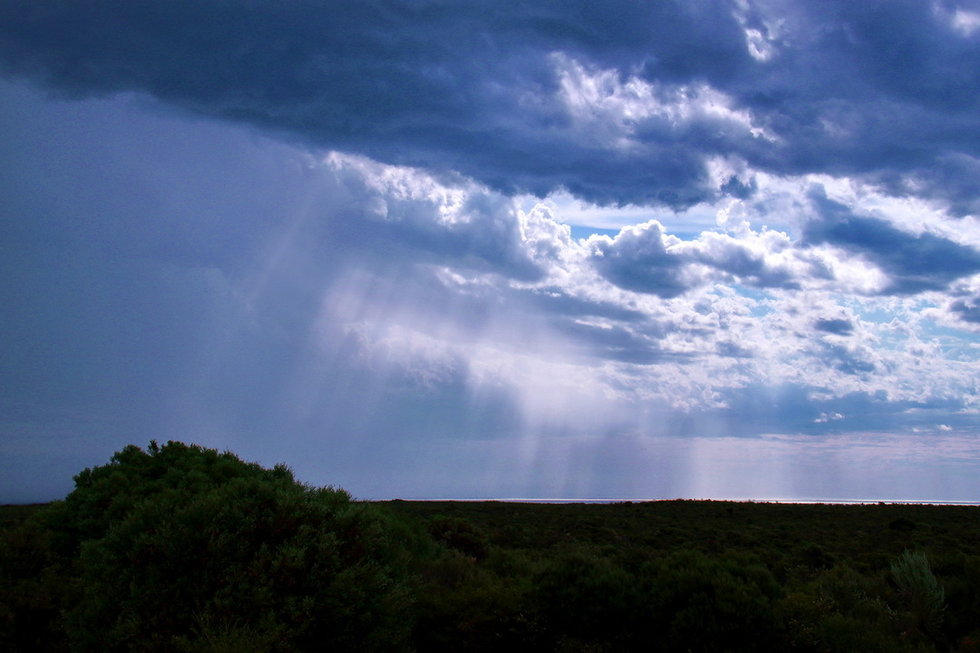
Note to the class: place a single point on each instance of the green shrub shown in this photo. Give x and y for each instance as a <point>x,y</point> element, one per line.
<point>184,548</point>
<point>919,591</point>
<point>33,584</point>
<point>461,535</point>
<point>586,598</point>
<point>700,603</point>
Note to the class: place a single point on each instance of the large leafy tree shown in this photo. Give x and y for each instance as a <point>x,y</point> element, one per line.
<point>184,548</point>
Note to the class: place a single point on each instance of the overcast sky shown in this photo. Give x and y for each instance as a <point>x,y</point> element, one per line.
<point>482,249</point>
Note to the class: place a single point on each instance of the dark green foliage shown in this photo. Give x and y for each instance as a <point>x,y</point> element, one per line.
<point>708,576</point>
<point>701,603</point>
<point>466,606</point>
<point>816,558</point>
<point>685,601</point>
<point>33,583</point>
<point>901,524</point>
<point>460,535</point>
<point>842,610</point>
<point>185,548</point>
<point>586,599</point>
<point>919,593</point>
<point>180,548</point>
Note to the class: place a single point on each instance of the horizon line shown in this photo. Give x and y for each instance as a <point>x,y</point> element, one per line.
<point>803,501</point>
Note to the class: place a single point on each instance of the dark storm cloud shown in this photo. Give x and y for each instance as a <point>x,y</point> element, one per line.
<point>885,90</point>
<point>467,86</point>
<point>913,263</point>
<point>952,176</point>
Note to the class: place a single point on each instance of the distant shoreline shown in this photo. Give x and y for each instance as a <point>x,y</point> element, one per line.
<point>805,502</point>
<point>844,502</point>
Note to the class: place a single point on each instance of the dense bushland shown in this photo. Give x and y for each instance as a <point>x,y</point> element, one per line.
<point>184,548</point>
<point>181,548</point>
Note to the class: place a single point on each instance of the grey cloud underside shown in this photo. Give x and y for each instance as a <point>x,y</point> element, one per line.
<point>393,229</point>
<point>637,259</point>
<point>645,259</point>
<point>791,408</point>
<point>967,308</point>
<point>834,326</point>
<point>883,90</point>
<point>914,263</point>
<point>845,359</point>
<point>555,300</point>
<point>619,344</point>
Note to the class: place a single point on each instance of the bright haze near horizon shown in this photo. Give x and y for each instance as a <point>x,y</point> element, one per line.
<point>477,249</point>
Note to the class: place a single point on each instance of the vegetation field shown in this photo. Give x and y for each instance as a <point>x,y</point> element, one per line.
<point>181,548</point>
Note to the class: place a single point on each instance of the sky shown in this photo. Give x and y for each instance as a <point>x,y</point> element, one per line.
<point>478,249</point>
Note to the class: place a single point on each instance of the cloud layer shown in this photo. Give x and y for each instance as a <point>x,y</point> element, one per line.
<point>616,103</point>
<point>342,234</point>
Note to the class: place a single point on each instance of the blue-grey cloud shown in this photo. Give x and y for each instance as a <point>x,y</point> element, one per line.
<point>638,259</point>
<point>913,263</point>
<point>618,343</point>
<point>835,326</point>
<point>644,258</point>
<point>792,408</point>
<point>883,90</point>
<point>732,257</point>
<point>845,359</point>
<point>559,301</point>
<point>733,350</point>
<point>402,223</point>
<point>867,87</point>
<point>967,308</point>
